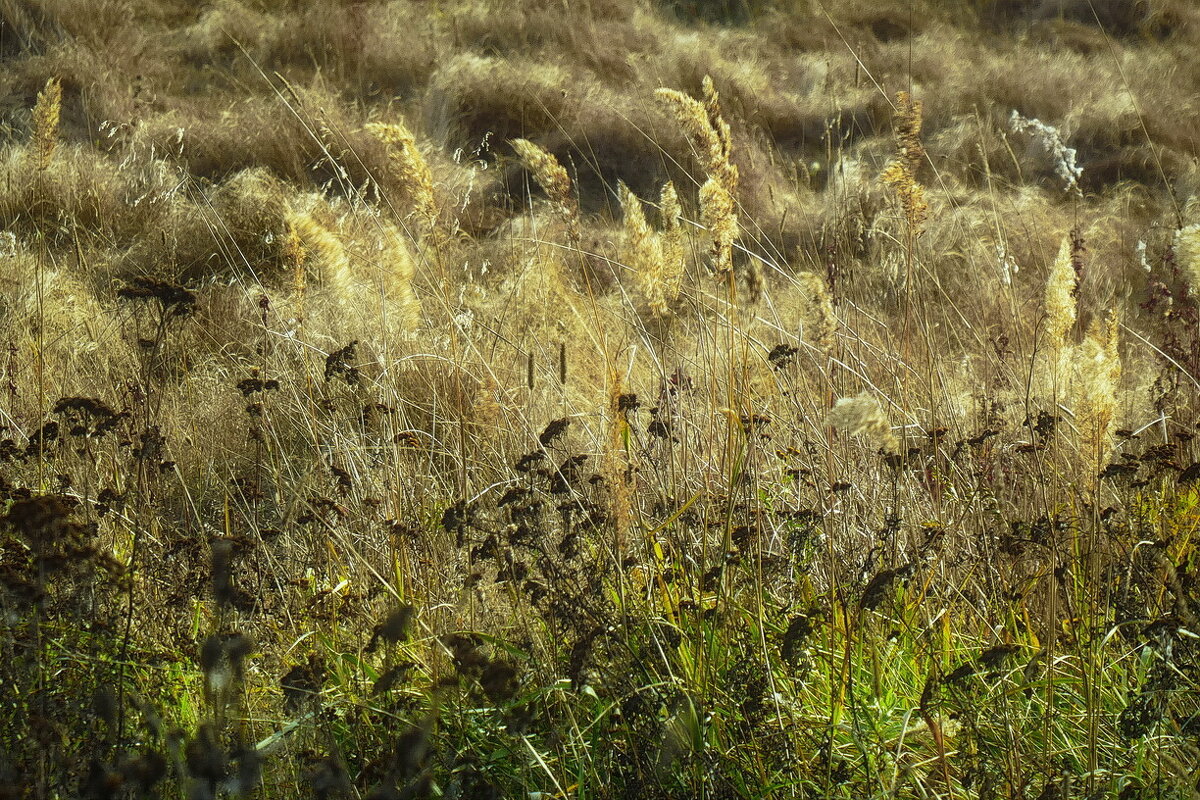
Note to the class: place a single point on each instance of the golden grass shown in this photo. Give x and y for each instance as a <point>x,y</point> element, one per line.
<point>310,402</point>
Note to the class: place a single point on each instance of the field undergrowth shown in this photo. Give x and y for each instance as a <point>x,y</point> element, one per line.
<point>612,399</point>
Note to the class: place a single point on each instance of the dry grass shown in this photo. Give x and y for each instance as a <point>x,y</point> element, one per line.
<point>601,399</point>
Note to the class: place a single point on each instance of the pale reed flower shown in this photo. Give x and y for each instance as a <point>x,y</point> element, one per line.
<point>817,315</point>
<point>45,123</point>
<point>711,139</point>
<point>399,270</point>
<point>554,180</point>
<point>1052,142</point>
<point>1097,379</point>
<point>323,251</point>
<point>862,416</point>
<point>673,245</point>
<point>1187,256</point>
<point>1060,295</point>
<point>411,167</point>
<point>900,174</point>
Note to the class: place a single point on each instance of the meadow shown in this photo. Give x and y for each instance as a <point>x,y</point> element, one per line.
<point>600,399</point>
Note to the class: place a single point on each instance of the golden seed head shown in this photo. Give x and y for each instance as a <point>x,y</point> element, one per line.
<point>45,123</point>
<point>907,123</point>
<point>411,167</point>
<point>399,270</point>
<point>1060,297</point>
<point>324,251</point>
<point>862,416</point>
<point>817,315</point>
<point>553,179</point>
<point>718,214</point>
<point>1187,255</point>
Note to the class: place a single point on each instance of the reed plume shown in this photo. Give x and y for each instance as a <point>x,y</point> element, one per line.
<point>399,269</point>
<point>900,174</point>
<point>1097,378</point>
<point>1059,303</point>
<point>673,245</point>
<point>410,166</point>
<point>817,315</point>
<point>656,259</point>
<point>1187,256</point>
<point>322,250</point>
<point>45,123</point>
<point>555,182</point>
<point>710,137</point>
<point>862,416</point>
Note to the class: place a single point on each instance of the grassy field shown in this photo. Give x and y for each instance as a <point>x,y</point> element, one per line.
<point>600,399</point>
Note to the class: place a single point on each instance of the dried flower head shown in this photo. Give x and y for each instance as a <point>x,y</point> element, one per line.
<point>673,246</point>
<point>411,167</point>
<point>1051,141</point>
<point>646,252</point>
<point>1097,378</point>
<point>554,180</point>
<point>399,270</point>
<point>907,124</point>
<point>45,123</point>
<point>862,416</point>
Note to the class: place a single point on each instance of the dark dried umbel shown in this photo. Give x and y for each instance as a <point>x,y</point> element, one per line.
<point>175,300</point>
<point>249,386</point>
<point>393,629</point>
<point>88,417</point>
<point>301,684</point>
<point>223,662</point>
<point>795,639</point>
<point>553,431</point>
<point>338,364</point>
<point>56,542</point>
<point>781,355</point>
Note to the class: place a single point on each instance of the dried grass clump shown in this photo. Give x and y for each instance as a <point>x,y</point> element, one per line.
<point>234,228</point>
<point>655,258</point>
<point>713,145</point>
<point>470,98</point>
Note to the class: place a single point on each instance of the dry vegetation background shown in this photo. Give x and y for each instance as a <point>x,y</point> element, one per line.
<point>599,399</point>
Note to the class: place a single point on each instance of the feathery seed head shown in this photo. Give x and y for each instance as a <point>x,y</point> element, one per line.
<point>817,315</point>
<point>718,214</point>
<point>410,165</point>
<point>553,179</point>
<point>1187,255</point>
<point>324,250</point>
<point>862,416</point>
<point>907,123</point>
<point>399,269</point>
<point>1061,288</point>
<point>45,123</point>
<point>713,143</point>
